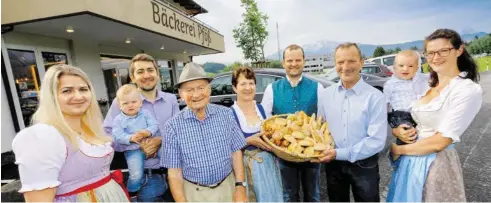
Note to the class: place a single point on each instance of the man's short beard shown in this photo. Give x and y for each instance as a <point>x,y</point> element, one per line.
<point>148,89</point>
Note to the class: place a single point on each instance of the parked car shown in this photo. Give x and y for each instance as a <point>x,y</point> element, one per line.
<point>373,80</point>
<point>376,69</point>
<point>223,94</point>
<point>388,60</point>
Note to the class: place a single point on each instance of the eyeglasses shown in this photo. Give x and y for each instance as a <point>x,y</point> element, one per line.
<point>442,53</point>
<point>199,89</point>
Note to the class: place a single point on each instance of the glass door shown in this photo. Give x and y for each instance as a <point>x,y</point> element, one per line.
<point>166,76</point>
<point>27,81</point>
<point>115,74</point>
<point>25,69</point>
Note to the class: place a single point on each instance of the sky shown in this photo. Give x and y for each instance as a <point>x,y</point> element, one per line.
<point>370,22</point>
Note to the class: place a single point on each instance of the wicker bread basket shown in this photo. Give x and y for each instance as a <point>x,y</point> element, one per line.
<point>282,152</point>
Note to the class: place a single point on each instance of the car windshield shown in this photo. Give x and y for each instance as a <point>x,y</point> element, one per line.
<point>389,61</point>
<point>369,69</point>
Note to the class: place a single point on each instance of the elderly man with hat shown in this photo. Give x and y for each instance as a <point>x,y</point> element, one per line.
<point>202,145</point>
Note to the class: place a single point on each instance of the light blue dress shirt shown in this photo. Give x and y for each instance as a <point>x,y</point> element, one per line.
<point>125,126</point>
<point>357,119</point>
<point>162,109</point>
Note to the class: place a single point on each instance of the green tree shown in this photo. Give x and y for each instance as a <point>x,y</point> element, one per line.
<point>479,46</point>
<point>251,34</point>
<point>379,51</point>
<point>275,64</point>
<point>398,49</point>
<point>232,66</point>
<point>414,48</point>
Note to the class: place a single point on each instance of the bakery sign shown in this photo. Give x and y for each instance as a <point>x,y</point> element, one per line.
<point>168,18</point>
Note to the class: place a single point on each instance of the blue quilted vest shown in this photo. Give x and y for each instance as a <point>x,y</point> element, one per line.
<point>288,99</point>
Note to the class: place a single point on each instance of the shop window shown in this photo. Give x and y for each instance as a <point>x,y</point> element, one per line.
<point>51,59</point>
<point>116,74</point>
<point>27,81</point>
<point>180,66</point>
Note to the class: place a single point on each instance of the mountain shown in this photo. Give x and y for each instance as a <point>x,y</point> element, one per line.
<point>325,46</point>
<point>211,67</point>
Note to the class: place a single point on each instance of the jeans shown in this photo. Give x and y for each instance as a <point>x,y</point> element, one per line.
<point>135,160</point>
<point>295,174</point>
<point>153,188</point>
<point>362,176</point>
<point>397,118</point>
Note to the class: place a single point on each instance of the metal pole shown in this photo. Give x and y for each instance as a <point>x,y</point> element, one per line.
<point>487,65</point>
<point>278,38</point>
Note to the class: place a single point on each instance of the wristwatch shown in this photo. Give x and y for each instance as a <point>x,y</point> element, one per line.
<point>241,184</point>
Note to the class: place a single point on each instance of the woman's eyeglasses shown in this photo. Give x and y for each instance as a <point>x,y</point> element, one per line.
<point>442,53</point>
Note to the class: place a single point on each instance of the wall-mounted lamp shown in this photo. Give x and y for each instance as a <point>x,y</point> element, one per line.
<point>69,29</point>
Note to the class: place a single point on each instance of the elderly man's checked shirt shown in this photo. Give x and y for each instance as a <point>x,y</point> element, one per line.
<point>202,148</point>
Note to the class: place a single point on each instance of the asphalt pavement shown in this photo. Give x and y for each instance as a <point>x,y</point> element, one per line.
<point>474,152</point>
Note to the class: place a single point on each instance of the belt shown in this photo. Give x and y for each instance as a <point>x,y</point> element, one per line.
<point>149,171</point>
<point>208,186</point>
<point>117,176</point>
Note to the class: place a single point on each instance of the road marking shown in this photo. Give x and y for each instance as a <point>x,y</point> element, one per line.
<point>483,131</point>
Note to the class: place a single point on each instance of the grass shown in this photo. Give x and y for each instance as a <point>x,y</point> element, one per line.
<point>481,63</point>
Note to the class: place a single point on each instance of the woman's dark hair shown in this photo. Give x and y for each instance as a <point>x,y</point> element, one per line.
<point>246,71</point>
<point>465,63</point>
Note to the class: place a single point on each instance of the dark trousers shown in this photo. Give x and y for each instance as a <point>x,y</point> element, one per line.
<point>363,177</point>
<point>397,118</point>
<point>295,174</point>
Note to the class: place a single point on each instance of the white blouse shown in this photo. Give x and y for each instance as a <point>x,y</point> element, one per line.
<point>40,152</point>
<point>243,120</point>
<point>450,113</point>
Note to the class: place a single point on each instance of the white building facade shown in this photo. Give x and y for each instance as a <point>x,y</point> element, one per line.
<point>100,37</point>
<point>318,63</point>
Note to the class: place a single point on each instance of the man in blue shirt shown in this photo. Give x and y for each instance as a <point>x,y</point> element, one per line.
<point>287,96</point>
<point>160,105</point>
<point>202,145</point>
<point>357,117</point>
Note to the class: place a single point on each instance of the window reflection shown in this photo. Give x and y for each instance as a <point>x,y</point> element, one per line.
<point>166,76</point>
<point>51,59</point>
<point>222,86</point>
<point>27,81</point>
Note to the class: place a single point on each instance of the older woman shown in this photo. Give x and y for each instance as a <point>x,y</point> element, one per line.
<point>429,169</point>
<point>263,176</point>
<point>65,155</point>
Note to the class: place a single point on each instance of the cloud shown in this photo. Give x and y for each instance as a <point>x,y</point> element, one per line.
<point>370,22</point>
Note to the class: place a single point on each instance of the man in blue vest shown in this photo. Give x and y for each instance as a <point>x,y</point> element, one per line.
<point>289,95</point>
